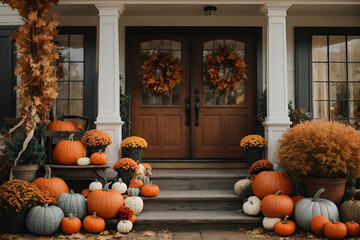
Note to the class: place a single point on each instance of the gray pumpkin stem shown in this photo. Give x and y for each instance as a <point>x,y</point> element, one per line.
<point>94,215</point>
<point>352,221</point>
<point>71,216</point>
<point>106,187</point>
<point>332,220</point>
<point>46,205</point>
<point>251,202</point>
<point>285,219</point>
<point>316,197</point>
<point>47,172</point>
<point>278,192</point>
<point>71,137</point>
<point>72,191</point>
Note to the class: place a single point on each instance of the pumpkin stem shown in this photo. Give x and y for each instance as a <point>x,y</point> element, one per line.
<point>71,216</point>
<point>251,202</point>
<point>120,180</point>
<point>332,220</point>
<point>71,191</point>
<point>285,219</point>
<point>316,197</point>
<point>71,137</point>
<point>151,184</point>
<point>106,187</point>
<point>99,151</point>
<point>352,221</point>
<point>84,155</point>
<point>46,205</point>
<point>47,172</point>
<point>278,192</point>
<point>94,215</point>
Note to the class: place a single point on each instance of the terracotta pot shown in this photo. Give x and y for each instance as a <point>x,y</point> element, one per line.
<point>334,188</point>
<point>26,172</point>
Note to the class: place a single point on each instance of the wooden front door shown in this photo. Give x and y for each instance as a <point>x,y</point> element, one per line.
<point>217,121</point>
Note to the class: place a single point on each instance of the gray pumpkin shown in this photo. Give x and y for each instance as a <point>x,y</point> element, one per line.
<point>133,191</point>
<point>308,208</point>
<point>44,220</point>
<point>74,203</point>
<point>144,178</point>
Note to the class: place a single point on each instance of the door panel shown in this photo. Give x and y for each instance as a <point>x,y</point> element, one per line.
<point>160,119</point>
<point>223,119</point>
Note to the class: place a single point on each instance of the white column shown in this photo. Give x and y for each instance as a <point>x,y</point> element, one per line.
<point>277,121</point>
<point>108,118</point>
<point>8,16</point>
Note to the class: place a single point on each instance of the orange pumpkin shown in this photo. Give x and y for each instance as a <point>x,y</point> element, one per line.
<point>71,224</point>
<point>296,198</point>
<point>85,192</point>
<point>146,165</point>
<point>133,218</point>
<point>267,182</point>
<point>55,184</point>
<point>276,205</point>
<point>353,228</point>
<point>59,125</point>
<point>317,224</point>
<point>125,196</point>
<point>335,230</point>
<point>106,202</point>
<point>136,183</point>
<point>285,228</point>
<point>68,151</point>
<point>94,223</point>
<point>99,158</point>
<point>150,190</point>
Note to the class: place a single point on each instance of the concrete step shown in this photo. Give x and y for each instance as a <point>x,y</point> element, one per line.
<point>193,179</point>
<point>191,200</point>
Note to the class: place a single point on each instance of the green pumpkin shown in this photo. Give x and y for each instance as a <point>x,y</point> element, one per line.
<point>308,208</point>
<point>350,210</point>
<point>44,220</point>
<point>74,203</point>
<point>133,191</point>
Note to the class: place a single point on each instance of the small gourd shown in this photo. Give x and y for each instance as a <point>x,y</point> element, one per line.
<point>99,158</point>
<point>317,224</point>
<point>94,223</point>
<point>133,191</point>
<point>269,223</point>
<point>353,229</point>
<point>150,190</point>
<point>71,224</point>
<point>119,186</point>
<point>243,187</point>
<point>335,230</point>
<point>95,185</point>
<point>83,161</point>
<point>254,199</point>
<point>135,182</point>
<point>124,226</point>
<point>285,228</point>
<point>251,208</point>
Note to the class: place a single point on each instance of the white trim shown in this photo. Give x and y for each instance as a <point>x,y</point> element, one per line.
<point>9,16</point>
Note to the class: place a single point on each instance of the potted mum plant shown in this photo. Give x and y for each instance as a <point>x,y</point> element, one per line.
<point>126,169</point>
<point>323,154</point>
<point>96,140</point>
<point>133,147</point>
<point>254,145</point>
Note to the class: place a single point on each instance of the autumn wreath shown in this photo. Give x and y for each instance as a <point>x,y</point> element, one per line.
<point>230,59</point>
<point>161,71</point>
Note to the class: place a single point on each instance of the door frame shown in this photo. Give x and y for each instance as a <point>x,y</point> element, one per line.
<point>191,31</point>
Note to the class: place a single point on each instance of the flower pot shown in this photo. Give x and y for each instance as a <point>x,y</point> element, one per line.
<point>133,153</point>
<point>334,188</point>
<point>125,176</point>
<point>15,222</point>
<point>253,155</point>
<point>26,172</point>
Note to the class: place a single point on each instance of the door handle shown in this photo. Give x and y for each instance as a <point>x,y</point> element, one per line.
<point>187,111</point>
<point>197,109</point>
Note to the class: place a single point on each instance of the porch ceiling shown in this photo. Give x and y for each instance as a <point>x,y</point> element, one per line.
<point>68,9</point>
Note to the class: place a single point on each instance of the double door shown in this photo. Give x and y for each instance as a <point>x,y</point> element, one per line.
<point>193,120</point>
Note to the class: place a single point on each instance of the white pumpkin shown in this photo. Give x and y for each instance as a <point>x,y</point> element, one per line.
<point>254,199</point>
<point>119,186</point>
<point>95,185</point>
<point>269,223</point>
<point>124,226</point>
<point>251,208</point>
<point>141,169</point>
<point>243,187</point>
<point>83,161</point>
<point>135,203</point>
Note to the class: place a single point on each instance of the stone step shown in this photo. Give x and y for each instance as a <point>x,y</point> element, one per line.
<point>193,179</point>
<point>191,200</point>
<point>194,220</point>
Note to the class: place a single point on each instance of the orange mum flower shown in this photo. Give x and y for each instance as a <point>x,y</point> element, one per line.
<point>95,138</point>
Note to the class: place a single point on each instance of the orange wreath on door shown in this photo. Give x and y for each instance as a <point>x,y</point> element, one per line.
<point>161,71</point>
<point>227,58</point>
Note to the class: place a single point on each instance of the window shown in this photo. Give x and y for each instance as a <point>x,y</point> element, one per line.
<point>330,59</point>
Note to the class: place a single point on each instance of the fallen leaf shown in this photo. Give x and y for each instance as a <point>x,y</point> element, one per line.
<point>258,236</point>
<point>104,237</point>
<point>148,233</point>
<point>239,211</point>
<point>242,230</point>
<point>106,232</point>
<point>165,231</point>
<point>257,230</point>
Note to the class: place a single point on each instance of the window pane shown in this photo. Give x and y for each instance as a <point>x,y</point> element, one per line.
<point>219,42</point>
<point>339,109</point>
<point>77,71</point>
<point>61,107</point>
<point>230,43</point>
<point>166,99</point>
<point>63,42</point>
<point>208,45</point>
<point>155,100</point>
<point>220,99</point>
<point>175,45</point>
<point>320,71</point>
<point>338,91</point>
<point>208,99</point>
<point>145,45</point>
<point>240,99</point>
<point>337,71</point>
<point>165,44</point>
<point>175,99</point>
<point>231,98</point>
<point>320,91</point>
<point>155,44</point>
<point>240,45</point>
<point>76,90</point>
<point>63,90</point>
<point>354,71</point>
<point>355,109</point>
<point>145,99</point>
<point>337,48</point>
<point>76,107</point>
<point>354,48</point>
<point>321,110</point>
<point>76,47</point>
<point>354,89</point>
<point>63,72</point>
<point>319,48</point>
